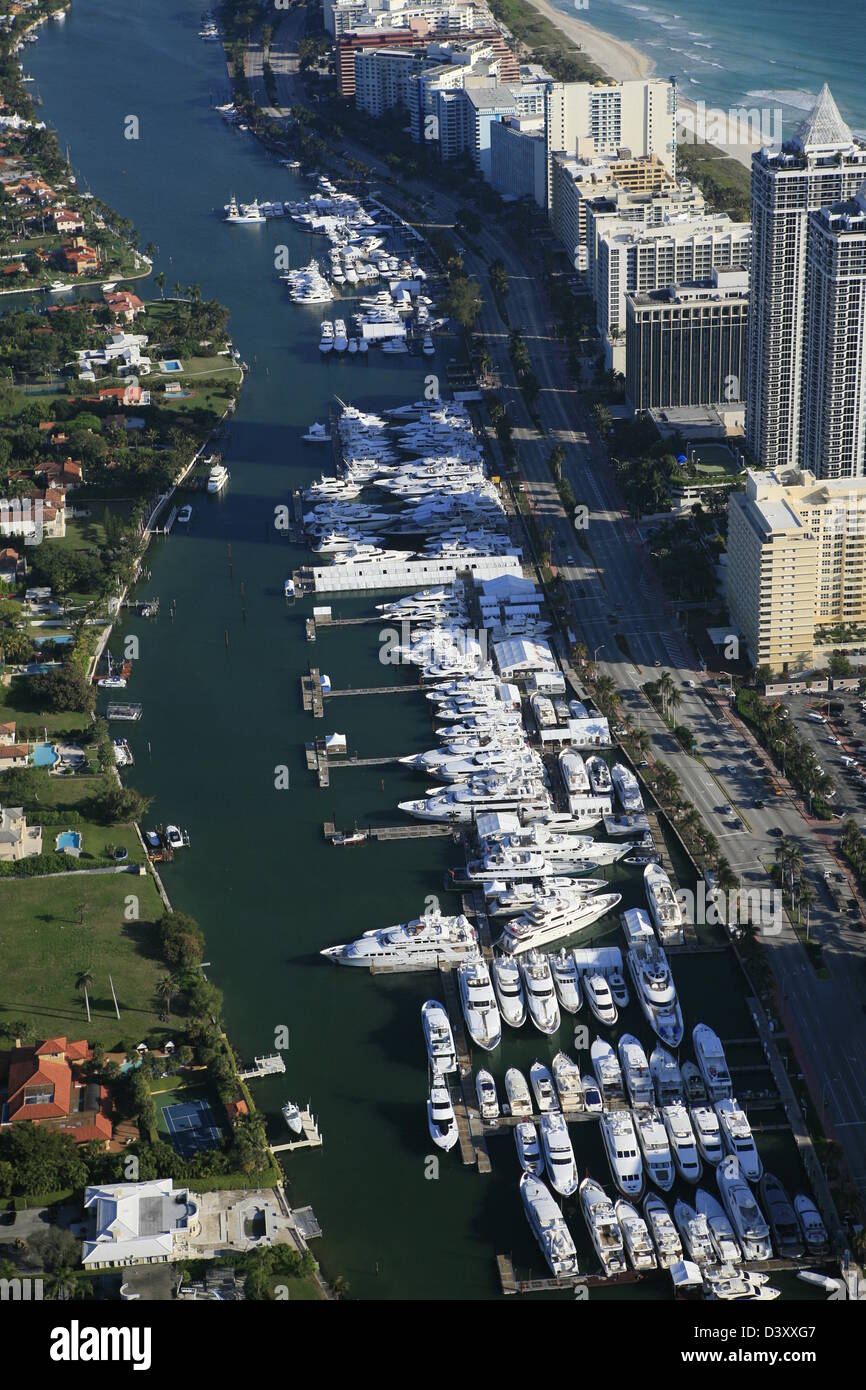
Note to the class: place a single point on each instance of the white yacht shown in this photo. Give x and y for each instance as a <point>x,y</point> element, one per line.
<point>559,1157</point>
<point>539,991</point>
<point>573,772</point>
<point>705,1123</point>
<point>341,340</point>
<point>635,1233</point>
<point>326,341</point>
<point>745,1215</point>
<point>682,1140</point>
<point>596,991</point>
<point>627,789</point>
<point>813,1228</point>
<point>184,516</point>
<point>441,1051</point>
<point>509,990</point>
<point>729,1283</point>
<point>694,1232</point>
<point>528,1149</point>
<point>599,775</point>
<point>543,1088</point>
<point>663,905</point>
<point>663,1231</point>
<point>293,1117</point>
<point>726,1245</point>
<point>623,1152</point>
<point>521,895</point>
<point>655,1147</point>
<point>607,1070</point>
<point>711,1059</point>
<point>488,1101</point>
<point>635,1070</point>
<point>604,1230</point>
<point>666,1076</point>
<point>592,1097</point>
<point>738,1139</point>
<point>217,478</point>
<point>441,1119</point>
<point>517,1091</point>
<point>246,212</point>
<point>569,1086</point>
<point>548,1226</point>
<point>566,980</point>
<point>485,792</point>
<point>653,982</point>
<point>478,1001</point>
<point>424,941</point>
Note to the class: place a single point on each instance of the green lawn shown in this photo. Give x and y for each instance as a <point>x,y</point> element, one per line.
<point>16,704</point>
<point>74,794</point>
<point>52,928</point>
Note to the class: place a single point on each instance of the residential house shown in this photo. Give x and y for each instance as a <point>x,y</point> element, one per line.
<point>47,1084</point>
<point>78,257</point>
<point>138,1223</point>
<point>123,304</point>
<point>66,221</point>
<point>17,839</point>
<point>11,570</point>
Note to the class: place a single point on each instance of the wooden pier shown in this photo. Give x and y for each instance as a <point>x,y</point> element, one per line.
<point>395,832</point>
<point>263,1066</point>
<point>373,690</point>
<point>312,1136</point>
<point>510,1283</point>
<point>473,1148</point>
<point>311,693</point>
<point>310,628</point>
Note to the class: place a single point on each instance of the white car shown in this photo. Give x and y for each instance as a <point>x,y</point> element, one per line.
<point>690,685</point>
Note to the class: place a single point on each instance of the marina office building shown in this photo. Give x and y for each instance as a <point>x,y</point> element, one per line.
<point>796,558</point>
<point>686,344</point>
<point>807,332</point>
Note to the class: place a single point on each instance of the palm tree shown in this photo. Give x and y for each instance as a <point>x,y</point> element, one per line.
<point>642,739</point>
<point>665,686</point>
<point>674,701</point>
<point>160,281</point>
<point>604,690</point>
<point>84,980</point>
<point>165,989</point>
<point>725,876</point>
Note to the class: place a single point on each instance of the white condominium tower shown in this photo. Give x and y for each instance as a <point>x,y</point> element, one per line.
<point>639,116</point>
<point>801,267</point>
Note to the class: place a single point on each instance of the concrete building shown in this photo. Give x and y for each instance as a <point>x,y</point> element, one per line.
<point>649,258</point>
<point>427,16</point>
<point>137,1223</point>
<point>382,78</point>
<point>418,35</point>
<point>438,113</point>
<point>518,163</point>
<point>18,840</point>
<point>638,115</point>
<point>796,554</point>
<point>821,167</point>
<point>685,344</point>
<point>834,398</point>
<point>489,106</point>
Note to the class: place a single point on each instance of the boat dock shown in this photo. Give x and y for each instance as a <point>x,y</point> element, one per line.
<point>124,712</point>
<point>473,1148</point>
<point>312,1135</point>
<point>510,1283</point>
<point>373,690</point>
<point>263,1066</point>
<point>395,832</point>
<point>311,693</point>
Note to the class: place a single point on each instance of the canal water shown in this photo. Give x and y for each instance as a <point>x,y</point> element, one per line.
<point>220,687</point>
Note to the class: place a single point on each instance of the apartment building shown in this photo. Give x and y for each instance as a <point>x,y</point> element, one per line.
<point>518,164</point>
<point>637,189</point>
<point>796,557</point>
<point>638,115</point>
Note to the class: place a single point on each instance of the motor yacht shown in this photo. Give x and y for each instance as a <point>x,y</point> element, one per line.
<point>520,896</point>
<point>541,925</point>
<point>548,1226</point>
<point>528,1150</point>
<point>326,341</point>
<point>539,991</point>
<point>599,775</point>
<point>488,1101</point>
<point>728,1283</point>
<point>814,1231</point>
<point>725,1243</point>
<point>438,1037</point>
<point>746,1217</point>
<point>693,1085</point>
<point>738,1139</point>
<point>607,1070</point>
<point>341,340</point>
<point>694,1232</point>
<point>184,516</point>
<point>573,772</point>
<point>663,1231</point>
<point>424,941</point>
<point>712,1062</point>
<point>517,1091</point>
<point>655,1147</point>
<point>508,988</point>
<point>569,1086</point>
<point>441,1119</point>
<point>245,213</point>
<point>558,1153</point>
<point>666,1076</point>
<point>566,980</point>
<point>636,1237</point>
<point>654,988</point>
<point>705,1123</point>
<point>596,992</point>
<point>541,1081</point>
<point>635,1070</point>
<point>604,1229</point>
<point>682,1141</point>
<point>623,1151</point>
<point>782,1218</point>
<point>627,789</point>
<point>483,1020</point>
<point>293,1117</point>
<point>217,478</point>
<point>663,905</point>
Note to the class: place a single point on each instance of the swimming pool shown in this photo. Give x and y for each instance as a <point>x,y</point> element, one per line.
<point>45,755</point>
<point>172,366</point>
<point>68,840</point>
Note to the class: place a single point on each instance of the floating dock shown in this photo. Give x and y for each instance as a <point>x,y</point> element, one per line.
<point>263,1066</point>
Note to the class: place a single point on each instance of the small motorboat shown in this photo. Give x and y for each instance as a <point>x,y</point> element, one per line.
<point>528,1148</point>
<point>317,434</point>
<point>184,516</point>
<point>289,588</point>
<point>356,837</point>
<point>488,1101</point>
<point>292,1117</point>
<point>112,683</point>
<point>173,837</point>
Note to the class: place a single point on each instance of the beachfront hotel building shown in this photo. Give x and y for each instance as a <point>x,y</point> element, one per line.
<point>685,344</point>
<point>796,557</point>
<point>804,406</point>
<point>640,116</point>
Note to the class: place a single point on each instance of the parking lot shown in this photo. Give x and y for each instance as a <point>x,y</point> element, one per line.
<point>839,743</point>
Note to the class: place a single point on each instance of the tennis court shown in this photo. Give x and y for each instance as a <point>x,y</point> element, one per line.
<point>191,1127</point>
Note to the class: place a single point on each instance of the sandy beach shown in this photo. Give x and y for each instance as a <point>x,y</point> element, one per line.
<point>623,62</point>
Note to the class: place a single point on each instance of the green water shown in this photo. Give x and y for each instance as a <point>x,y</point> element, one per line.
<point>219,720</point>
